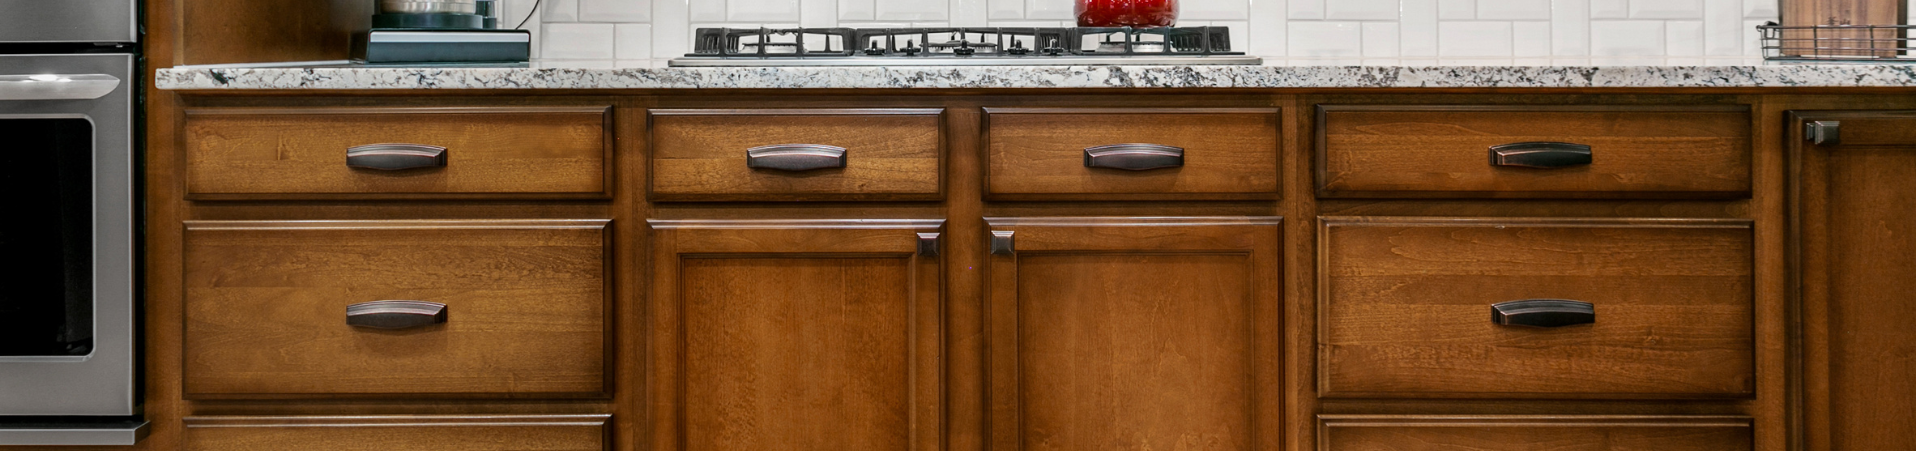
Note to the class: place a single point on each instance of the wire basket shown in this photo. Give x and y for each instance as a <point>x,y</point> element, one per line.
<point>1866,43</point>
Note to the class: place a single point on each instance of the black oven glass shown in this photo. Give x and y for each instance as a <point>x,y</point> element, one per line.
<point>46,177</point>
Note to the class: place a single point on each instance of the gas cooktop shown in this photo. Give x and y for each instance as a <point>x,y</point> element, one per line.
<point>997,46</point>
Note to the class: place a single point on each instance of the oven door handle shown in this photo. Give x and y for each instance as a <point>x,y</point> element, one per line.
<point>57,86</point>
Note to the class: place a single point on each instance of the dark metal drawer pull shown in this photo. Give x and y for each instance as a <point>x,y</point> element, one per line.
<point>1823,133</point>
<point>1134,156</point>
<point>394,157</point>
<point>1543,313</point>
<point>395,314</point>
<point>795,157</point>
<point>1544,155</point>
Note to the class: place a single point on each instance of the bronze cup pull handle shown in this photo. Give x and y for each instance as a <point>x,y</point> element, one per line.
<point>1134,156</point>
<point>395,156</point>
<point>1543,313</point>
<point>1543,155</point>
<point>795,157</point>
<point>395,314</point>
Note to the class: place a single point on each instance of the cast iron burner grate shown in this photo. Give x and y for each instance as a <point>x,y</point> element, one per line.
<point>960,44</point>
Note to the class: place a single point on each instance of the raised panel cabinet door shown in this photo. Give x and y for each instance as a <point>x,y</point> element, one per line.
<point>1533,432</point>
<point>1856,219</point>
<point>802,335</point>
<point>1113,333</point>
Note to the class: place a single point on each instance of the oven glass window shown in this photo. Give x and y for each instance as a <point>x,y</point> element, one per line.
<point>46,307</point>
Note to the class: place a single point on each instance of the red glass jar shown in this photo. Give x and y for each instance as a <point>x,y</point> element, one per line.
<point>1127,13</point>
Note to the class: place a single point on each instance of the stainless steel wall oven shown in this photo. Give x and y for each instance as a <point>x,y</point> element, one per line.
<point>69,85</point>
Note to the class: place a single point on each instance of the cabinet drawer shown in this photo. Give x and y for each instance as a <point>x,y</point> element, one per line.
<point>267,306</point>
<point>397,432</point>
<point>1131,153</point>
<point>797,154</point>
<point>1451,151</point>
<point>1406,308</point>
<point>247,153</point>
<point>1526,433</point>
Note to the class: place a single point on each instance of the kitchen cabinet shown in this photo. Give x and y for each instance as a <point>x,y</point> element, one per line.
<point>1858,349</point>
<point>1134,333</point>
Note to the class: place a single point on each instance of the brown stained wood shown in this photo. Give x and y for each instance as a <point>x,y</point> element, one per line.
<point>300,153</point>
<point>1529,433</point>
<point>245,31</point>
<point>1858,346</point>
<point>1443,151</point>
<point>800,335</point>
<point>1841,42</point>
<point>1405,308</point>
<point>1038,153</point>
<point>890,154</point>
<point>398,433</point>
<point>265,308</point>
<point>1121,334</point>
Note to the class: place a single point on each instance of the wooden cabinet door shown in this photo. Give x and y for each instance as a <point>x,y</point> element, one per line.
<point>1134,333</point>
<point>796,335</point>
<point>1856,211</point>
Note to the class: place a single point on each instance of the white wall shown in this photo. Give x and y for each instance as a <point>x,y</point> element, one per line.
<point>645,33</point>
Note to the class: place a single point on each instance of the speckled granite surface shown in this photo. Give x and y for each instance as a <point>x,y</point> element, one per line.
<point>923,77</point>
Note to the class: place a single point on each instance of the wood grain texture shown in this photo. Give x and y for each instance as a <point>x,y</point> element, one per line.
<point>1038,153</point>
<point>767,338</point>
<point>1442,151</point>
<point>1100,340</point>
<point>1859,347</point>
<point>248,153</point>
<point>243,31</point>
<point>1404,308</point>
<point>1531,433</point>
<point>265,308</point>
<point>892,154</point>
<point>1837,41</point>
<point>398,433</point>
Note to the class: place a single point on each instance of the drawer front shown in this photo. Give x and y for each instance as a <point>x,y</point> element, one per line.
<point>1406,308</point>
<point>245,153</point>
<point>1041,153</point>
<point>757,155</point>
<point>267,307</point>
<point>397,433</point>
<point>1527,433</point>
<point>1447,151</point>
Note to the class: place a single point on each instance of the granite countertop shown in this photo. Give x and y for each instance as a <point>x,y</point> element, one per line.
<point>543,75</point>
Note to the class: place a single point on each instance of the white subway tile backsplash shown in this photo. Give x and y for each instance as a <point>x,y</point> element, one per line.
<point>1609,9</point>
<point>1666,9</point>
<point>621,11</point>
<point>1004,9</point>
<point>1326,39</point>
<point>916,10</point>
<point>1752,44</point>
<point>705,10</point>
<point>1569,27</point>
<point>1305,9</point>
<point>1474,39</point>
<point>1530,39</point>
<point>1048,9</point>
<point>1418,28</point>
<point>1624,38</point>
<point>1266,28</point>
<point>1456,9</point>
<point>1765,9</point>
<point>757,10</point>
<point>1513,9</point>
<point>559,11</point>
<point>591,41</point>
<point>633,41</point>
<point>1474,61</point>
<point>969,13</point>
<point>671,28</point>
<point>1722,28</point>
<point>855,9</point>
<point>1218,9</point>
<point>1240,32</point>
<point>815,13</point>
<point>1380,39</point>
<point>1683,38</point>
<point>1361,10</point>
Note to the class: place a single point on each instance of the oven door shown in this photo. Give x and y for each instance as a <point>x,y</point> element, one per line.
<point>43,21</point>
<point>66,313</point>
